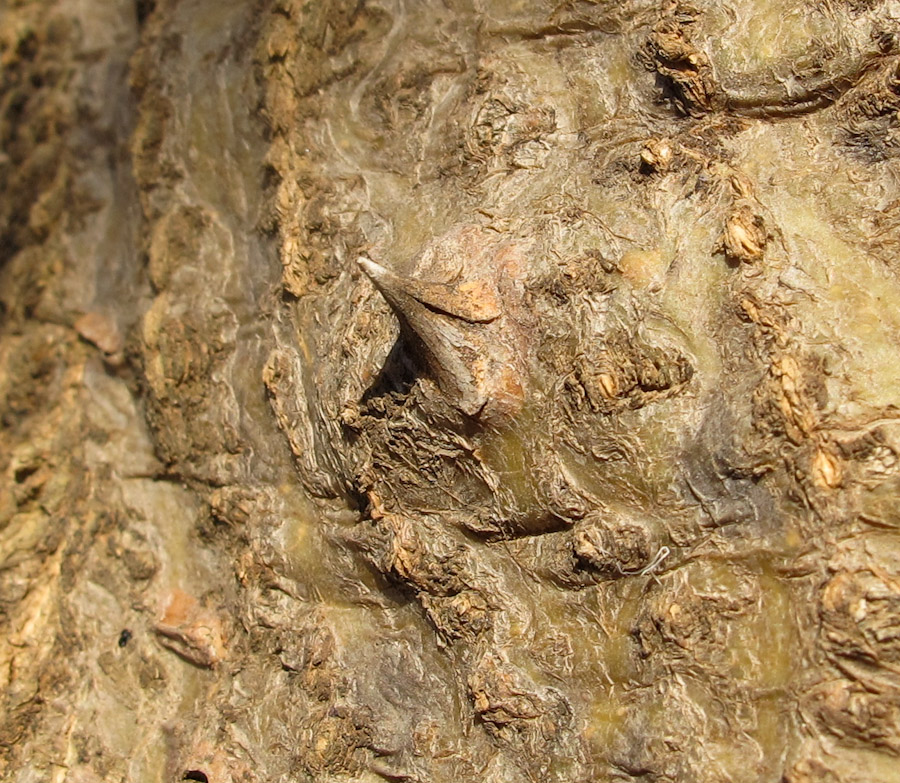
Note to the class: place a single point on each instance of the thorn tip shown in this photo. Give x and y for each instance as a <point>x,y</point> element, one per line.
<point>373,270</point>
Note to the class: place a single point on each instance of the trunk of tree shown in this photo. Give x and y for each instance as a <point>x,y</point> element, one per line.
<point>449,390</point>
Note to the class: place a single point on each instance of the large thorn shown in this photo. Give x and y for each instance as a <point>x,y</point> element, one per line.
<point>452,326</point>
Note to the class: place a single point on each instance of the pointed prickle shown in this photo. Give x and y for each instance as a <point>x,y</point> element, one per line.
<point>459,329</point>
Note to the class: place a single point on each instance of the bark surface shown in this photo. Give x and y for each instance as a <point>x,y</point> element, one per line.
<point>449,390</point>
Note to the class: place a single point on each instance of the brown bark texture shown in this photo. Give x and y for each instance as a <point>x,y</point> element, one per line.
<point>449,390</point>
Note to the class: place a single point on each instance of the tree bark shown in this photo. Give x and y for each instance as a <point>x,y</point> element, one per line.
<point>449,390</point>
